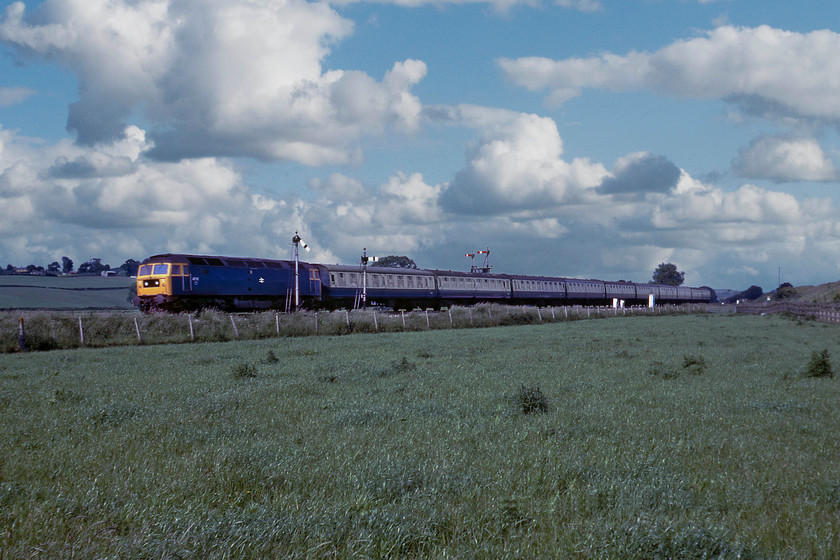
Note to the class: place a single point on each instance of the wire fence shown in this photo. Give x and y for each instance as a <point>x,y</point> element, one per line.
<point>37,330</point>
<point>825,312</point>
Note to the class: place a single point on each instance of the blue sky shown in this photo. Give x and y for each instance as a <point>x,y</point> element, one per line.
<point>588,138</point>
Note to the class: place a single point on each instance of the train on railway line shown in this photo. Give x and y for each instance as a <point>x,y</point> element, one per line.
<point>181,282</point>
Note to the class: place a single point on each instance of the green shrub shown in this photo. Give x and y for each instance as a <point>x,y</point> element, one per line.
<point>244,370</point>
<point>694,365</point>
<point>820,365</point>
<point>531,400</point>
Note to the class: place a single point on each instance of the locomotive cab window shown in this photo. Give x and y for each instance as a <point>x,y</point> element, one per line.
<point>161,269</point>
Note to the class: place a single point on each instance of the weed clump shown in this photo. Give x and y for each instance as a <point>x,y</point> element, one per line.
<point>660,369</point>
<point>531,400</point>
<point>820,365</point>
<point>694,365</point>
<point>244,370</point>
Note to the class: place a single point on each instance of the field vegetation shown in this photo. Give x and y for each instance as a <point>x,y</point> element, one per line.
<point>693,436</point>
<point>51,330</point>
<point>64,292</point>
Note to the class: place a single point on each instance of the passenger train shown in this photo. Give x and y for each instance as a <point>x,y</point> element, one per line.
<point>179,282</point>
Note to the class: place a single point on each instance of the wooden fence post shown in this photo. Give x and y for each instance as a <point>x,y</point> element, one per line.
<point>375,322</point>
<point>137,327</point>
<point>81,331</point>
<point>235,330</point>
<point>21,337</point>
<point>192,333</point>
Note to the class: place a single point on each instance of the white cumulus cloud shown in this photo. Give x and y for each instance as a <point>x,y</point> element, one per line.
<point>763,69</point>
<point>216,77</point>
<point>783,158</point>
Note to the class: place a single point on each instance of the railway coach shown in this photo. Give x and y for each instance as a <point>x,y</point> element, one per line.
<point>181,282</point>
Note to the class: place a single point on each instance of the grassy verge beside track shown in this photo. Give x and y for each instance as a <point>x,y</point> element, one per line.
<point>692,436</point>
<point>52,330</point>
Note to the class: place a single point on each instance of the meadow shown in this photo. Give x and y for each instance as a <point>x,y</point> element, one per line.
<point>685,436</point>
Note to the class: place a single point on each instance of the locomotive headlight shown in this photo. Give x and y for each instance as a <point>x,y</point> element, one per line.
<point>151,283</point>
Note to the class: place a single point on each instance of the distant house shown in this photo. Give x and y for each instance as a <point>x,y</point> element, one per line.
<point>108,273</point>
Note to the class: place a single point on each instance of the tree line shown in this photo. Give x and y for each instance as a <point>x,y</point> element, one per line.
<point>92,266</point>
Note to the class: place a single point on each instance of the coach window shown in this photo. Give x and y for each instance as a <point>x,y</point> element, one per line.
<point>176,270</point>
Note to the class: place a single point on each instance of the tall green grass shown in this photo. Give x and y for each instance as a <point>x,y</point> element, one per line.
<point>50,330</point>
<point>417,445</point>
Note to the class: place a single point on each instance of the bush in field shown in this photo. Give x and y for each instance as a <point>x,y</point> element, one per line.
<point>531,400</point>
<point>244,370</point>
<point>820,365</point>
<point>694,365</point>
<point>660,369</point>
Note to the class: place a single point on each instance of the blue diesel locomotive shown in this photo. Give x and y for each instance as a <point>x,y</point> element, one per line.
<point>178,282</point>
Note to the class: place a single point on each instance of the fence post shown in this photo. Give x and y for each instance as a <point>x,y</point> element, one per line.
<point>81,332</point>
<point>428,326</point>
<point>451,324</point>
<point>471,319</point>
<point>539,314</point>
<point>316,322</point>
<point>192,333</point>
<point>375,322</point>
<point>137,327</point>
<point>21,337</point>
<point>235,330</point>
<point>277,322</point>
<point>403,317</point>
<point>347,314</point>
<point>553,318</point>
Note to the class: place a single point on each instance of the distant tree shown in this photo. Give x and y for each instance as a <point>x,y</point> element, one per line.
<point>750,294</point>
<point>53,267</point>
<point>394,261</point>
<point>667,273</point>
<point>130,267</point>
<point>10,269</point>
<point>93,266</point>
<point>66,265</point>
<point>785,291</point>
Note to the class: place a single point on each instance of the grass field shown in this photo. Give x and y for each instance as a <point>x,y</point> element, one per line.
<point>64,292</point>
<point>692,436</point>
